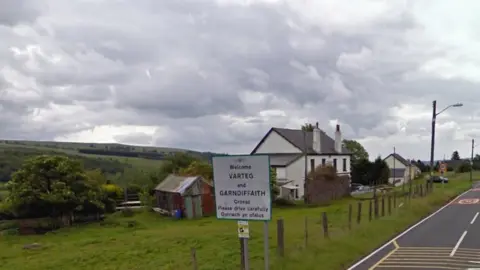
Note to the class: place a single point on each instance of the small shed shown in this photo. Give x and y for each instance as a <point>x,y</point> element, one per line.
<point>192,194</point>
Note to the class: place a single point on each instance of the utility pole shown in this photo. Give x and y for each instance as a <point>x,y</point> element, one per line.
<point>471,161</point>
<point>394,157</point>
<point>432,144</point>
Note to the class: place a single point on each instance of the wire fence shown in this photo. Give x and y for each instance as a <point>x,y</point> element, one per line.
<point>295,232</point>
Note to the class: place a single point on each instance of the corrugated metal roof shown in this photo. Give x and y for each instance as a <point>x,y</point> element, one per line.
<point>176,183</point>
<point>187,182</point>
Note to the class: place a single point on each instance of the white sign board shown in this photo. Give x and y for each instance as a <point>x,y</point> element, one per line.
<point>243,230</point>
<point>242,187</point>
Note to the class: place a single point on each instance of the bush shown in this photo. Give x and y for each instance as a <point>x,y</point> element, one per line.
<point>128,212</point>
<point>327,172</point>
<point>134,189</point>
<point>113,191</point>
<point>147,200</point>
<point>110,205</point>
<point>110,221</point>
<point>12,231</point>
<point>464,167</point>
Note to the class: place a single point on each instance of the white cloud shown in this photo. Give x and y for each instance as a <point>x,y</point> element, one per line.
<point>216,75</point>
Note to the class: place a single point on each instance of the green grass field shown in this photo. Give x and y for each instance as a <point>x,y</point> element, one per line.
<point>162,243</point>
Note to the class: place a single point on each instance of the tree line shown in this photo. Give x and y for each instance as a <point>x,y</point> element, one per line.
<point>61,187</point>
<point>12,158</point>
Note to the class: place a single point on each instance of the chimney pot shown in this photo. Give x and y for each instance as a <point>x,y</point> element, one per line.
<point>338,140</point>
<point>316,124</point>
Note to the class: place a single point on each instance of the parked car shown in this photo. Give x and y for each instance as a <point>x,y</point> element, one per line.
<point>356,187</point>
<point>439,179</point>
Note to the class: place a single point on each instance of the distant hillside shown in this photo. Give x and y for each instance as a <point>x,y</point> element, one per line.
<point>108,149</point>
<point>110,158</point>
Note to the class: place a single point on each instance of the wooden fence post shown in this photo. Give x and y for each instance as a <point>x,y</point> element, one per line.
<point>280,238</point>
<point>325,224</point>
<point>242,254</point>
<point>359,212</point>
<point>389,204</point>
<point>421,191</point>
<point>370,210</point>
<point>394,200</point>
<point>383,206</point>
<point>306,231</point>
<point>376,207</point>
<point>193,252</point>
<point>350,216</point>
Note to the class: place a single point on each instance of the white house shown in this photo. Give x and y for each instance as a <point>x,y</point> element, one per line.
<point>401,170</point>
<point>293,152</point>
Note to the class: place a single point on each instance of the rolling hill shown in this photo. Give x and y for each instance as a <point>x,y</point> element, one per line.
<point>110,158</point>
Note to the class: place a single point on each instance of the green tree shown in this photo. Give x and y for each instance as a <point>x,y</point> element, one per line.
<point>52,186</point>
<point>307,127</point>
<point>379,173</point>
<point>198,167</point>
<point>273,183</point>
<point>359,152</point>
<point>464,167</point>
<point>97,176</point>
<point>361,171</point>
<point>176,162</point>
<point>421,165</point>
<point>455,155</point>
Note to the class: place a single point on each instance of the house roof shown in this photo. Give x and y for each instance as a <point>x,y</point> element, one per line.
<point>281,160</point>
<point>177,184</point>
<point>296,138</point>
<point>399,158</point>
<point>397,172</point>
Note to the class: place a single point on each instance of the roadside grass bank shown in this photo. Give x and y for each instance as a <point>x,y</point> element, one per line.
<point>146,241</point>
<point>343,251</point>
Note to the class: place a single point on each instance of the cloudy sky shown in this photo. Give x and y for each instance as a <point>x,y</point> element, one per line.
<point>217,74</point>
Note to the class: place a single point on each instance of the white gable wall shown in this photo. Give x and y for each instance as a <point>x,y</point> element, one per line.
<point>276,144</point>
<point>398,164</point>
<point>281,172</point>
<point>296,170</point>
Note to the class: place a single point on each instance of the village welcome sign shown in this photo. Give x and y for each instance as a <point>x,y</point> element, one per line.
<point>242,187</point>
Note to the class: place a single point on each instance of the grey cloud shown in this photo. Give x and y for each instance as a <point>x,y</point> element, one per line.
<point>181,65</point>
<point>138,138</point>
<point>13,12</point>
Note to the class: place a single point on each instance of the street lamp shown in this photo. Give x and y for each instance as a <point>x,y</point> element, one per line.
<point>432,146</point>
<point>471,160</point>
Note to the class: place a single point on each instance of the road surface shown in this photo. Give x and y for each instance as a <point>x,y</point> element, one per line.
<point>447,239</point>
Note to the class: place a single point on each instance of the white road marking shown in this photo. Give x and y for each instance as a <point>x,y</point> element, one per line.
<point>474,218</point>
<point>405,232</point>
<point>458,244</point>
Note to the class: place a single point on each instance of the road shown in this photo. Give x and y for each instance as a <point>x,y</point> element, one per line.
<point>447,239</point>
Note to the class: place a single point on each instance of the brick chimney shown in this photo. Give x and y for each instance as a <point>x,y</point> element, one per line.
<point>316,144</point>
<point>338,140</point>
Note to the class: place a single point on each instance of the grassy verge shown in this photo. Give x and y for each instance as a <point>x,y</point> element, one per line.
<point>162,243</point>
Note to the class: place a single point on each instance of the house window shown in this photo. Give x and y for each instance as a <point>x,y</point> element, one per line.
<point>324,161</point>
<point>335,163</point>
<point>296,192</point>
<point>344,164</point>
<point>312,164</point>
